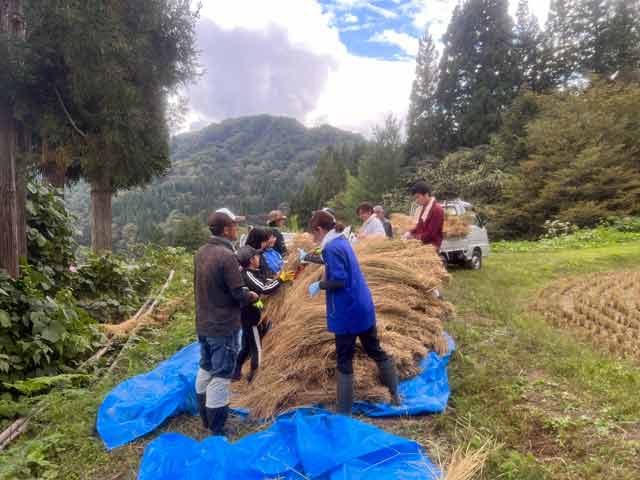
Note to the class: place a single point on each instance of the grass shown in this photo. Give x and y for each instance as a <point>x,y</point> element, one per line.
<point>547,405</point>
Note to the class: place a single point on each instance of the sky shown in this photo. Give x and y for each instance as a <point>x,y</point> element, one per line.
<point>348,63</point>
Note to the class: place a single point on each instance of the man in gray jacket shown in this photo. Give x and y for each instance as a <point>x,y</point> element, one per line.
<point>219,295</point>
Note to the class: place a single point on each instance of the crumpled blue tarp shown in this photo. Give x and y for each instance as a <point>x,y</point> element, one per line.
<point>141,404</point>
<point>296,445</point>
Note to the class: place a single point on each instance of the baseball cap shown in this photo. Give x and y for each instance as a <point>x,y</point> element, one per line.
<point>245,254</point>
<point>276,215</point>
<point>229,213</point>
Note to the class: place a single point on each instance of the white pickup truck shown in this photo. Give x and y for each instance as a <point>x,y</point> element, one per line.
<point>470,250</point>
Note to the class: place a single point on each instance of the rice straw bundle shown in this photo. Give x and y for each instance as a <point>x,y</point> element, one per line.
<point>298,361</point>
<point>455,226</point>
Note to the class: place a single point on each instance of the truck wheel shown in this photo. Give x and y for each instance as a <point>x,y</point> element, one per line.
<point>475,262</point>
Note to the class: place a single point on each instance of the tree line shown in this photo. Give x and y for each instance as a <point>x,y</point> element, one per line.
<point>84,89</point>
<point>529,123</point>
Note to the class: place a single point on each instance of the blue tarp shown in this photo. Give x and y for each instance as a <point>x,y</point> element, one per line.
<point>297,445</point>
<point>141,404</point>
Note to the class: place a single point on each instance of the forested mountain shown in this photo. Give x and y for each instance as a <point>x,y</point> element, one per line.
<point>249,164</point>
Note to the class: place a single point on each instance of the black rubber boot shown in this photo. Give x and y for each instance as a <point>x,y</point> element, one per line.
<point>389,378</point>
<point>344,393</point>
<point>217,418</point>
<point>202,400</point>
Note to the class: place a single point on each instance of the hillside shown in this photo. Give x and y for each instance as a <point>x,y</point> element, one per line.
<point>249,164</point>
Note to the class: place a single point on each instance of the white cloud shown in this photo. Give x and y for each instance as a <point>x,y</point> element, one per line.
<point>361,91</point>
<point>350,18</point>
<point>358,91</point>
<point>406,42</point>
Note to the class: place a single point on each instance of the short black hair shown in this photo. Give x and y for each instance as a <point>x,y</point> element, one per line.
<point>257,236</point>
<point>421,188</point>
<point>364,207</point>
<point>217,223</point>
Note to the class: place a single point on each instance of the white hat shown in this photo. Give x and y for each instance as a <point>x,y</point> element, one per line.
<point>229,213</point>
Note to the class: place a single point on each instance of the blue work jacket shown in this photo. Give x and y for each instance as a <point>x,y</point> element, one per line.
<point>350,310</point>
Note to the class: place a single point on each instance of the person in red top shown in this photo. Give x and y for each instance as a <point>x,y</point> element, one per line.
<point>431,219</point>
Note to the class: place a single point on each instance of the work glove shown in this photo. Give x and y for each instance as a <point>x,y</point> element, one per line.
<point>287,276</point>
<point>314,289</point>
<point>301,254</point>
<point>259,305</point>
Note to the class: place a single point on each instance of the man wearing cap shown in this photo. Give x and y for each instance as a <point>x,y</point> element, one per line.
<point>378,210</point>
<point>219,295</point>
<point>276,222</point>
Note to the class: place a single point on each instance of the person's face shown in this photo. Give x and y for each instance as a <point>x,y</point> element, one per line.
<point>265,244</point>
<point>254,263</point>
<point>318,234</point>
<point>422,199</point>
<point>379,214</point>
<point>231,233</point>
<point>364,216</point>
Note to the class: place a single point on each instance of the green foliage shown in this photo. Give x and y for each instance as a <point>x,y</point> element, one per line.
<point>110,287</point>
<point>472,174</point>
<point>182,231</point>
<point>378,171</point>
<point>250,165</point>
<point>42,384</point>
<point>38,332</point>
<point>575,239</point>
<point>50,242</point>
<point>33,460</point>
<point>422,119</point>
<point>582,161</point>
<point>478,74</point>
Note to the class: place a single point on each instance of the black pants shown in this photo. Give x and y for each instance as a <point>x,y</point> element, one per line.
<point>251,346</point>
<point>346,347</point>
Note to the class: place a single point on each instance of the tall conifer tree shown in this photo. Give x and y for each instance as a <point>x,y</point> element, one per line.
<point>422,118</point>
<point>478,75</point>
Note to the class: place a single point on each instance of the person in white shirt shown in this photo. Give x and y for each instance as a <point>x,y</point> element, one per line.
<point>371,224</point>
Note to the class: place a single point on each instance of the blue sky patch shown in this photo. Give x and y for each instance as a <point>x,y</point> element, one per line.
<point>381,29</point>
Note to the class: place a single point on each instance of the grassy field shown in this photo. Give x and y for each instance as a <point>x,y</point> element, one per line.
<point>548,406</point>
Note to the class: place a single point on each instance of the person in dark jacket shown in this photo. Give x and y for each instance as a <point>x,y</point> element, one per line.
<point>431,219</point>
<point>350,310</point>
<point>219,296</point>
<point>276,222</point>
<point>252,329</point>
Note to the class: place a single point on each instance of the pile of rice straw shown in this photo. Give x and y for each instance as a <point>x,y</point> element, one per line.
<point>455,226</point>
<point>298,357</point>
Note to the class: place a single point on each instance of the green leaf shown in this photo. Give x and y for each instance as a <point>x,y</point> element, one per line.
<point>5,319</point>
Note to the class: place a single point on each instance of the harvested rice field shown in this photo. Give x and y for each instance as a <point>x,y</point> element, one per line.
<point>603,308</point>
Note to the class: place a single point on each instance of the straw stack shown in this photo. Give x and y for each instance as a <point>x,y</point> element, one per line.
<point>298,361</point>
<point>455,226</point>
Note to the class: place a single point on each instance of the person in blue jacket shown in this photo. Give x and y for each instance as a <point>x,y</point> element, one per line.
<point>351,313</point>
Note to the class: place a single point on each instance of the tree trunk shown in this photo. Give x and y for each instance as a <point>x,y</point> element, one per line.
<point>9,254</point>
<point>101,192</point>
<point>11,23</point>
<point>24,146</point>
<point>21,208</point>
<point>53,167</point>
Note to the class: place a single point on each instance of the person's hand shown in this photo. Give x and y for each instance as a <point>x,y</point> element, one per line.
<point>301,254</point>
<point>253,297</point>
<point>314,289</point>
<point>407,236</point>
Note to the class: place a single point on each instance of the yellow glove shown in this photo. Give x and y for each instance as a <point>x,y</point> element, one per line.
<point>259,305</point>
<point>286,276</point>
